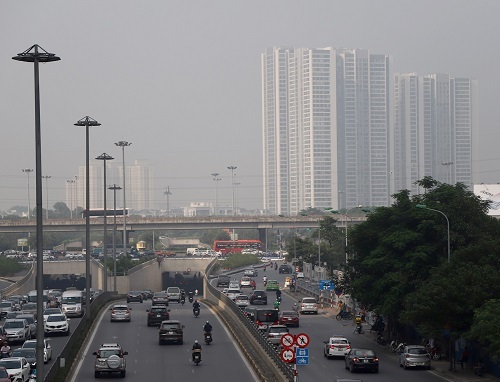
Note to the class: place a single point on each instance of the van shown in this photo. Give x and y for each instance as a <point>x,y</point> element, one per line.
<point>223,280</point>
<point>266,317</point>
<point>72,303</point>
<point>174,293</point>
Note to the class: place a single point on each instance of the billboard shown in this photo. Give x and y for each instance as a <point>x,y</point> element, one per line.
<point>489,192</point>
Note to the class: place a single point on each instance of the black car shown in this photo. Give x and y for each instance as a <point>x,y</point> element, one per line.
<point>157,314</point>
<point>135,296</point>
<point>148,293</point>
<point>361,359</point>
<point>223,280</point>
<point>258,297</point>
<point>285,269</point>
<point>171,331</point>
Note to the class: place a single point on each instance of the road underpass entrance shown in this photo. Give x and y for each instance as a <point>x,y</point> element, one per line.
<point>187,280</point>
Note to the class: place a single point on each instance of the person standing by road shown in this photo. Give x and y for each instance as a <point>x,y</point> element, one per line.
<point>464,358</point>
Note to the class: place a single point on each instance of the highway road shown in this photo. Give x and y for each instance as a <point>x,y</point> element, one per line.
<point>320,327</point>
<point>148,361</point>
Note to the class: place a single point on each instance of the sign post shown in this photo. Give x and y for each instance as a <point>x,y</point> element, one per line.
<point>295,350</point>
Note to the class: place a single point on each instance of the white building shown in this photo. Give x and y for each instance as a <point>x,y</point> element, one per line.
<point>326,124</point>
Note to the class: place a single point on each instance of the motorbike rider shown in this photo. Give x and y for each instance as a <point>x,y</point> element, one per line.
<point>358,322</point>
<point>196,349</point>
<point>275,266</point>
<point>207,328</point>
<point>276,305</point>
<point>265,280</point>
<point>295,307</point>
<point>196,305</point>
<point>5,350</point>
<point>190,296</point>
<point>278,295</point>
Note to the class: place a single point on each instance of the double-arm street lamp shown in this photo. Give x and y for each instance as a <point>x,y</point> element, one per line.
<point>447,224</point>
<point>87,122</point>
<point>105,157</point>
<point>70,182</point>
<point>168,193</point>
<point>47,177</point>
<point>28,171</point>
<point>37,54</point>
<point>114,187</point>
<point>124,144</point>
<point>217,180</point>
<point>232,168</point>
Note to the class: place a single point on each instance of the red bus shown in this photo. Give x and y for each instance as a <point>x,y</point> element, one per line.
<point>228,246</point>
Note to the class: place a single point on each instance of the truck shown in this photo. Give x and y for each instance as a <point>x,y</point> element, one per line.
<point>191,251</point>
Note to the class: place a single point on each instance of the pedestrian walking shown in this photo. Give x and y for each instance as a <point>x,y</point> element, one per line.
<point>464,357</point>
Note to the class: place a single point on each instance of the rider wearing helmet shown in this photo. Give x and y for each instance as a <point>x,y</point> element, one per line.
<point>5,350</point>
<point>207,328</point>
<point>196,349</point>
<point>196,305</point>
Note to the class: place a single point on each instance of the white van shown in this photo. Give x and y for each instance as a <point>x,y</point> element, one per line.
<point>72,303</point>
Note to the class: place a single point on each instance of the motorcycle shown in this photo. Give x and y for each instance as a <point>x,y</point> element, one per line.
<point>197,356</point>
<point>344,316</point>
<point>183,301</point>
<point>397,347</point>
<point>380,339</point>
<point>275,266</point>
<point>435,352</point>
<point>208,337</point>
<point>378,326</point>
<point>5,354</point>
<point>190,299</point>
<point>32,376</point>
<point>196,312</point>
<point>359,329</point>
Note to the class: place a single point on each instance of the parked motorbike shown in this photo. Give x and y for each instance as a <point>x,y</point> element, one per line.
<point>208,338</point>
<point>344,316</point>
<point>397,347</point>
<point>197,356</point>
<point>435,352</point>
<point>380,339</point>
<point>378,326</point>
<point>196,312</point>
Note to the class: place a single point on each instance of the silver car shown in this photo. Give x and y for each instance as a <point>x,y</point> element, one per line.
<point>16,330</point>
<point>275,332</point>
<point>415,356</point>
<point>308,305</point>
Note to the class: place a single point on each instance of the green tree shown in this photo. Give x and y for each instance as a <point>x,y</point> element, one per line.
<point>486,328</point>
<point>61,211</point>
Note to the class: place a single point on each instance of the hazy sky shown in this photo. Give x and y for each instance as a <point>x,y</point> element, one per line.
<point>181,80</point>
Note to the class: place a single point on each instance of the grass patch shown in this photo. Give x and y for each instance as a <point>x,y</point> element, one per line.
<point>239,260</point>
<point>9,267</point>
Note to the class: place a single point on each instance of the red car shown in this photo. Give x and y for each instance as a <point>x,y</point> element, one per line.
<point>289,318</point>
<point>4,375</point>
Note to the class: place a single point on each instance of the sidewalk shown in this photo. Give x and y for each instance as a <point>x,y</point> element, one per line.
<point>439,368</point>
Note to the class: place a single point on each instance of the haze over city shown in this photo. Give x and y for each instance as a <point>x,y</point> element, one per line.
<point>182,81</point>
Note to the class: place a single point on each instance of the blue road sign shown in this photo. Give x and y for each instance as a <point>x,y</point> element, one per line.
<point>326,285</point>
<point>302,356</point>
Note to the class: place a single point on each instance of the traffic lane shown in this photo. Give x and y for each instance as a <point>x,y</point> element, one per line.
<point>149,361</point>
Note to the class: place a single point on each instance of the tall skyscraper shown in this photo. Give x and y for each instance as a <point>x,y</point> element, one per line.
<point>435,118</point>
<point>326,124</point>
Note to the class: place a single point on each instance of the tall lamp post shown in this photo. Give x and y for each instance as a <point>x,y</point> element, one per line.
<point>114,187</point>
<point>232,168</point>
<point>70,182</point>
<point>87,122</point>
<point>124,144</point>
<point>47,177</point>
<point>27,171</point>
<point>37,54</point>
<point>448,172</point>
<point>217,180</point>
<point>168,193</point>
<point>76,195</point>
<point>236,202</point>
<point>105,157</point>
<point>447,224</point>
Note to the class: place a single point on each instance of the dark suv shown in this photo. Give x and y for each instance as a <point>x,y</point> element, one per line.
<point>157,314</point>
<point>285,269</point>
<point>258,297</point>
<point>223,280</point>
<point>171,331</point>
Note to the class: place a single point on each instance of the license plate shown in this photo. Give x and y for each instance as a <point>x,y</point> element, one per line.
<point>366,361</point>
<point>170,332</point>
<point>158,315</point>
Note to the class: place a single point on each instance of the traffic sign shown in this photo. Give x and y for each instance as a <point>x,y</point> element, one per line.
<point>326,285</point>
<point>287,340</point>
<point>302,340</point>
<point>302,356</point>
<point>287,355</point>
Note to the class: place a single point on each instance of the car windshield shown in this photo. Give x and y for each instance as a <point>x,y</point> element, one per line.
<point>170,326</point>
<point>417,351</point>
<point>51,311</point>
<point>10,364</point>
<point>288,314</point>
<point>5,305</point>
<point>71,300</point>
<point>30,319</point>
<point>26,353</point>
<point>120,308</point>
<point>56,318</point>
<point>29,306</point>
<point>158,310</point>
<point>277,329</point>
<point>160,294</point>
<point>242,297</point>
<point>309,301</point>
<point>13,324</point>
<point>108,353</point>
<point>364,353</point>
<point>339,341</point>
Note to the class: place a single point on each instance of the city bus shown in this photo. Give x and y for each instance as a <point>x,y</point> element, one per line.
<point>231,246</point>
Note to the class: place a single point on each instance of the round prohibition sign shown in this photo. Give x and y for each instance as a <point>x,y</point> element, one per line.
<point>287,340</point>
<point>287,355</point>
<point>302,340</point>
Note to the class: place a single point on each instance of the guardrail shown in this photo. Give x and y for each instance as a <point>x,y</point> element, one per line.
<point>18,286</point>
<point>246,330</point>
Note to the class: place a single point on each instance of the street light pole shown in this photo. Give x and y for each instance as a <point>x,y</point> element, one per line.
<point>124,144</point>
<point>447,224</point>
<point>70,182</point>
<point>114,187</point>
<point>47,177</point>
<point>87,122</point>
<point>168,193</point>
<point>105,157</point>
<point>37,54</point>
<point>217,179</point>
<point>232,168</point>
<point>346,240</point>
<point>448,172</point>
<point>28,171</point>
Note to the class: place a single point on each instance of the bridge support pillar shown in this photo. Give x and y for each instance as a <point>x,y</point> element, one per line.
<point>263,238</point>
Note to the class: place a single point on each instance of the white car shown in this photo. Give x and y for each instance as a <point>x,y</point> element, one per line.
<point>246,282</point>
<point>18,367</point>
<point>308,305</point>
<point>252,272</point>
<point>56,323</point>
<point>336,346</point>
<point>47,351</point>
<point>47,312</point>
<point>234,284</point>
<point>242,301</point>
<point>232,293</point>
